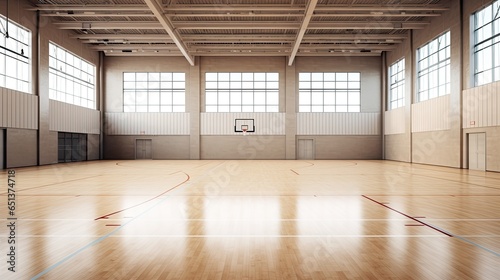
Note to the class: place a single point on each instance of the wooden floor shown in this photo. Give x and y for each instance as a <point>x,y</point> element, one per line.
<point>253,220</point>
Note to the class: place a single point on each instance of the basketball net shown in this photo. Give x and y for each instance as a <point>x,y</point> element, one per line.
<point>244,131</point>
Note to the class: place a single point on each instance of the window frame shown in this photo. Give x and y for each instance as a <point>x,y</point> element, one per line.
<point>482,43</point>
<point>242,92</point>
<point>159,92</point>
<point>429,62</point>
<point>320,95</point>
<point>19,78</point>
<point>397,92</point>
<point>72,79</point>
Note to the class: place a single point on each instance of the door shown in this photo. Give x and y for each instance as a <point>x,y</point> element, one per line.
<point>143,149</point>
<point>2,149</point>
<point>305,149</point>
<point>477,151</point>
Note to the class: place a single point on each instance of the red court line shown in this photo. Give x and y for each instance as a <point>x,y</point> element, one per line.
<point>294,171</point>
<point>409,217</point>
<point>161,194</point>
<point>53,184</point>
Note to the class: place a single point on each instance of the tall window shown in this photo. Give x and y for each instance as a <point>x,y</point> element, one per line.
<point>434,68</point>
<point>154,92</point>
<point>71,79</point>
<point>330,92</point>
<point>15,53</point>
<point>397,84</point>
<point>486,45</point>
<point>242,92</point>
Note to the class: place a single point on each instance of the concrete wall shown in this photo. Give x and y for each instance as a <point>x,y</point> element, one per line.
<point>216,139</point>
<point>423,144</point>
<point>243,147</point>
<point>21,148</point>
<point>163,147</point>
<point>346,147</point>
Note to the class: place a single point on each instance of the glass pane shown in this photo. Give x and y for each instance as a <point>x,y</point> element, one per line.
<point>303,77</point>
<point>166,98</point>
<point>272,98</point>
<point>211,97</point>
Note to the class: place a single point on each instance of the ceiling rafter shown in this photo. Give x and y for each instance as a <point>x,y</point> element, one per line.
<point>168,26</point>
<point>311,5</point>
<point>219,27</point>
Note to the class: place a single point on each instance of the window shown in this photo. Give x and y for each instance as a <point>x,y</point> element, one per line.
<point>330,92</point>
<point>486,45</point>
<point>71,79</point>
<point>242,92</point>
<point>15,52</point>
<point>154,92</point>
<point>397,84</point>
<point>434,68</point>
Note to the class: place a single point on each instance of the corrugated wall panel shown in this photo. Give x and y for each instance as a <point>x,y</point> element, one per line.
<point>431,115</point>
<point>481,106</point>
<point>394,121</point>
<point>71,118</point>
<point>223,123</point>
<point>16,111</point>
<point>338,123</point>
<point>147,123</point>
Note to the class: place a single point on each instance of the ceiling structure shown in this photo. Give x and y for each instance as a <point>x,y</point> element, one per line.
<point>288,28</point>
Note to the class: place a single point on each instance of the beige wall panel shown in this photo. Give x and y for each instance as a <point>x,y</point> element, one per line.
<point>395,121</point>
<point>346,147</point>
<point>338,124</point>
<point>164,147</point>
<point>434,148</point>
<point>243,147</point>
<point>223,123</point>
<point>396,147</point>
<point>147,123</point>
<point>481,106</point>
<point>19,110</point>
<point>71,118</point>
<point>431,115</point>
<point>21,147</point>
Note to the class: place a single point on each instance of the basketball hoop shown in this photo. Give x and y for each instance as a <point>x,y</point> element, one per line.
<point>245,131</point>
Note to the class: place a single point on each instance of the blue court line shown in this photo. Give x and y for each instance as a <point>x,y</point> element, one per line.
<point>468,241</point>
<point>477,245</point>
<point>97,241</point>
<point>436,228</point>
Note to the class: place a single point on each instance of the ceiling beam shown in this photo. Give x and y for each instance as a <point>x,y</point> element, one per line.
<point>311,5</point>
<point>380,47</point>
<point>256,15</point>
<point>242,25</point>
<point>370,25</point>
<point>96,14</point>
<point>120,36</point>
<point>108,25</point>
<point>157,10</point>
<point>97,8</point>
<point>170,47</point>
<point>319,8</point>
<point>208,38</point>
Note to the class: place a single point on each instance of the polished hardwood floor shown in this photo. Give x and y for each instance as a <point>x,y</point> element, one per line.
<point>252,220</point>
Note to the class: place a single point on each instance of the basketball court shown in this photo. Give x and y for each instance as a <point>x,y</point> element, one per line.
<point>256,220</point>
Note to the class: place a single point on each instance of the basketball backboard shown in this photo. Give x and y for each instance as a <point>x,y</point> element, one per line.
<point>244,125</point>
